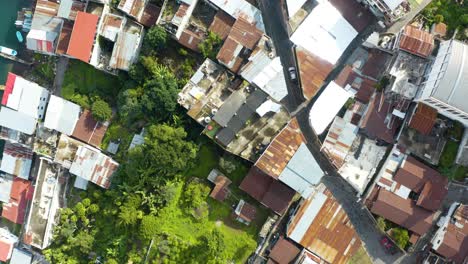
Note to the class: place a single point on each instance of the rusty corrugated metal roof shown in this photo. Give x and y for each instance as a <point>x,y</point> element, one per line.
<point>416,41</point>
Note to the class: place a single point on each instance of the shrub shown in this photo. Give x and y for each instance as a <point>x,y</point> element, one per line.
<point>439,18</point>
<point>381,224</point>
<point>101,110</point>
<point>210,46</point>
<point>400,236</point>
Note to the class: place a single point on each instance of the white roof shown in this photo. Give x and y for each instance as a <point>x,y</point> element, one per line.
<point>28,97</point>
<point>6,181</point>
<point>317,200</point>
<point>327,106</point>
<point>80,183</point>
<point>271,80</point>
<point>38,34</point>
<point>448,80</point>
<point>268,106</point>
<point>339,139</point>
<point>302,172</point>
<point>294,6</point>
<point>20,257</point>
<point>61,115</point>
<point>17,121</point>
<point>325,33</point>
<point>392,4</point>
<point>238,8</point>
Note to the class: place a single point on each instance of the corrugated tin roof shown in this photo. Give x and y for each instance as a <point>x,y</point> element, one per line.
<point>61,115</point>
<point>339,140</point>
<point>241,8</point>
<point>424,119</point>
<point>17,121</point>
<point>82,38</point>
<point>294,6</point>
<point>89,130</point>
<point>258,61</point>
<point>65,8</point>
<point>111,26</point>
<point>323,227</point>
<point>325,33</point>
<point>90,164</point>
<point>222,24</point>
<point>229,108</point>
<point>313,71</point>
<point>271,80</point>
<point>125,50</point>
<point>281,149</point>
<point>6,181</point>
<point>16,160</point>
<point>302,172</point>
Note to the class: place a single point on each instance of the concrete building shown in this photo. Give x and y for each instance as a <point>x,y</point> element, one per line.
<point>446,86</point>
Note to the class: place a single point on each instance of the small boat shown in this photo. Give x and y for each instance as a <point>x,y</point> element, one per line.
<point>8,51</point>
<point>19,36</point>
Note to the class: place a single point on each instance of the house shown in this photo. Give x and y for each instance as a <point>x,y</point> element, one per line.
<point>268,191</point>
<point>451,239</point>
<point>439,30</point>
<point>21,194</point>
<point>240,117</point>
<point>182,17</point>
<point>362,87</point>
<point>25,96</point>
<point>312,71</point>
<point>283,252</point>
<point>82,36</point>
<point>91,165</point>
<point>7,242</point>
<point>288,160</point>
<point>325,32</point>
<point>407,193</point>
<point>390,10</point>
<point>340,138</point>
<point>327,107</point>
<point>244,212</point>
<point>62,115</point>
<point>44,206</point>
<point>17,121</point>
<point>424,118</point>
<point>241,9</point>
<point>415,41</point>
<point>220,192</point>
<point>310,225</point>
<point>20,257</point>
<point>222,24</point>
<point>446,85</point>
<point>241,40</point>
<point>143,11</point>
<point>384,117</point>
<point>16,160</point>
<point>88,130</point>
<point>66,150</point>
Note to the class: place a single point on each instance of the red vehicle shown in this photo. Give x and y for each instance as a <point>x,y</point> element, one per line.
<point>388,245</point>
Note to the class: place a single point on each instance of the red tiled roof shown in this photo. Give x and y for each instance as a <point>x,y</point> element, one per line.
<point>424,119</point>
<point>403,212</point>
<point>15,210</point>
<point>222,24</point>
<point>420,178</point>
<point>268,191</point>
<point>5,250</point>
<point>220,191</point>
<point>284,252</point>
<point>248,212</point>
<point>416,41</point>
<point>366,91</point>
<point>440,29</point>
<point>9,85</point>
<point>89,130</point>
<point>455,242</point>
<point>82,37</point>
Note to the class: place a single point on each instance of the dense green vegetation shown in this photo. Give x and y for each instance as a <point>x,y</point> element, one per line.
<point>211,45</point>
<point>400,236</point>
<point>447,165</point>
<point>157,209</point>
<point>452,12</point>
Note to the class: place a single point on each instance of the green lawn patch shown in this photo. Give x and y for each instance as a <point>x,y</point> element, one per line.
<point>449,154</point>
<point>82,78</point>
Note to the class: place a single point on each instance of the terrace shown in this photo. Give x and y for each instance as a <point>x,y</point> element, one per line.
<point>66,150</point>
<point>44,207</point>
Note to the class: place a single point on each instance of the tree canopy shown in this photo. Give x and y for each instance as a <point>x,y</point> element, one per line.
<point>101,110</point>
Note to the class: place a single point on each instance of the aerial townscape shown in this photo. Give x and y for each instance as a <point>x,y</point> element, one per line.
<point>234,131</point>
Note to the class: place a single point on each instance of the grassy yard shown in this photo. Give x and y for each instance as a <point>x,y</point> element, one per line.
<point>84,79</point>
<point>360,257</point>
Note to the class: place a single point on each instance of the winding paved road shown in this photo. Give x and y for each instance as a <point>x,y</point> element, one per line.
<point>277,29</point>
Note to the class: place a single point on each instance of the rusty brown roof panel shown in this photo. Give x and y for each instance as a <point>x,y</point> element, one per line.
<point>150,15</point>
<point>416,41</point>
<point>375,64</point>
<point>423,119</point>
<point>64,38</point>
<point>245,33</point>
<point>455,242</point>
<point>190,39</point>
<point>280,151</point>
<point>313,71</point>
<point>222,24</point>
<point>331,235</point>
<point>88,130</point>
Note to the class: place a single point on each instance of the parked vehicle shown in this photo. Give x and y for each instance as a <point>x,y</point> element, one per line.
<point>292,74</point>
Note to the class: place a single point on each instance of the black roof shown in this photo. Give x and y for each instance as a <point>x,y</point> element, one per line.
<point>257,98</point>
<point>225,136</point>
<point>229,108</point>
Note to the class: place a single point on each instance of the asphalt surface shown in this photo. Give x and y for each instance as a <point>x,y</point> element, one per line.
<point>364,224</point>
